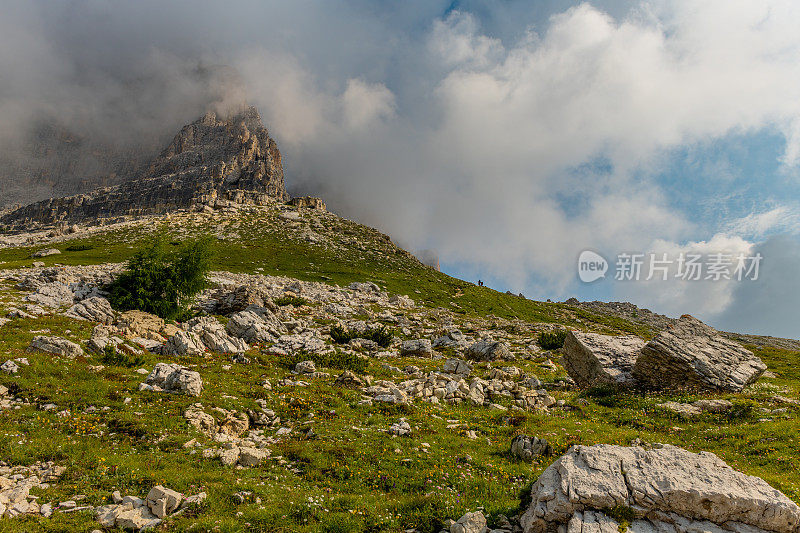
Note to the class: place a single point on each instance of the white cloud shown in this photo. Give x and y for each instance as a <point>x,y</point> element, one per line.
<point>782,218</point>
<point>364,103</point>
<point>481,147</point>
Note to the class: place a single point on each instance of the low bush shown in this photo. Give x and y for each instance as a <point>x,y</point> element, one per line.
<point>337,360</point>
<point>382,336</point>
<point>79,247</point>
<point>113,357</point>
<point>551,340</point>
<point>296,301</point>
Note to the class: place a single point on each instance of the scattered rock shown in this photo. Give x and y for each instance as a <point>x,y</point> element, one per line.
<point>349,380</point>
<point>305,367</point>
<point>697,408</point>
<point>163,501</point>
<point>470,523</point>
<point>10,367</point>
<point>16,484</point>
<point>137,514</point>
<point>457,367</point>
<point>401,428</point>
<point>44,252</point>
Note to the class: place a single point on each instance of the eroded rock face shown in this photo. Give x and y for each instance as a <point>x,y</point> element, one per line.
<point>665,489</point>
<point>255,327</point>
<point>95,309</point>
<point>214,336</point>
<point>214,161</point>
<point>693,355</point>
<point>591,358</point>
<point>526,448</point>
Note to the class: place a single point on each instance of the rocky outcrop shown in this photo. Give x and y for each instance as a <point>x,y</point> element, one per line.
<point>606,488</point>
<point>488,350</point>
<point>214,161</point>
<point>693,355</point>
<point>308,202</point>
<point>214,336</point>
<point>170,377</point>
<point>591,358</point>
<point>94,309</point>
<point>56,345</point>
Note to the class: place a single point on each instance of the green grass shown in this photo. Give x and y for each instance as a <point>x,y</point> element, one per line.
<point>353,476</point>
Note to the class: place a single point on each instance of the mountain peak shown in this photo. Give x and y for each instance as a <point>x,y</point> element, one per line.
<point>215,161</point>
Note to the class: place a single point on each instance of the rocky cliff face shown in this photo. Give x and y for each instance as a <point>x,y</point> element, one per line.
<point>214,162</point>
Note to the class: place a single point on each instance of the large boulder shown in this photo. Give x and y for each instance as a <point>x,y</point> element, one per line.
<point>171,377</point>
<point>94,309</point>
<point>693,355</point>
<point>56,345</point>
<point>488,350</point>
<point>664,489</point>
<point>184,343</point>
<point>591,358</point>
<point>417,347</point>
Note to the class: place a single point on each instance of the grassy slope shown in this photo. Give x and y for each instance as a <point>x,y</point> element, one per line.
<point>362,254</point>
<point>353,477</point>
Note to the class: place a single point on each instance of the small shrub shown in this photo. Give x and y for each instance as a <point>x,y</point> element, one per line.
<point>113,357</point>
<point>623,514</point>
<point>296,301</point>
<point>340,335</point>
<point>336,360</point>
<point>382,336</point>
<point>551,340</point>
<point>741,410</point>
<point>159,280</point>
<point>79,247</point>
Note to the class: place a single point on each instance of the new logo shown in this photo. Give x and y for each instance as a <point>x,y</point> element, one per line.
<point>591,266</point>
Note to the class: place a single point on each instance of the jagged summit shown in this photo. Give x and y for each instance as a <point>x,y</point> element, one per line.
<point>214,161</point>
